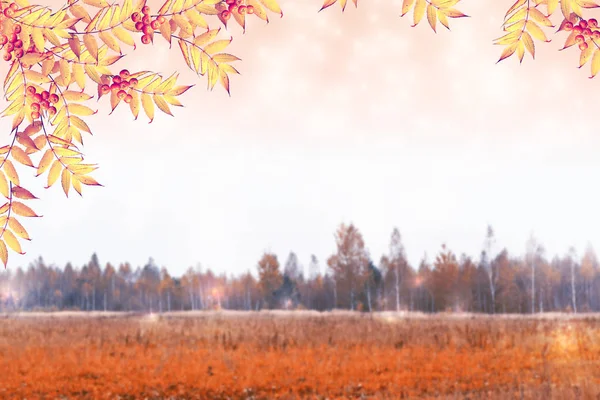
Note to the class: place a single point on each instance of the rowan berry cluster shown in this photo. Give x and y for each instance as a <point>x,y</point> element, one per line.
<point>119,84</point>
<point>584,30</point>
<point>145,24</point>
<point>10,10</point>
<point>236,6</point>
<point>12,45</point>
<point>41,102</point>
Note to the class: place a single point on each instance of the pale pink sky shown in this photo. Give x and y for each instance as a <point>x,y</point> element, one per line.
<point>340,118</point>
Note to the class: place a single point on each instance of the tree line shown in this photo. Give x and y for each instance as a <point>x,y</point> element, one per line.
<point>494,282</point>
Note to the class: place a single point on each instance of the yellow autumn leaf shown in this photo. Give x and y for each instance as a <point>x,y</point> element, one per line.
<point>54,173</point>
<point>148,106</point>
<point>3,253</point>
<point>3,185</point>
<point>12,241</point>
<point>11,172</point>
<point>65,180</point>
<point>419,12</point>
<point>22,157</point>
<point>18,228</point>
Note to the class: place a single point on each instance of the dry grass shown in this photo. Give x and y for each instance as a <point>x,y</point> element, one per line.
<point>301,355</point>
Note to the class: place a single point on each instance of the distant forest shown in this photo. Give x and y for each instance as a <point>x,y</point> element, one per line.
<point>495,282</point>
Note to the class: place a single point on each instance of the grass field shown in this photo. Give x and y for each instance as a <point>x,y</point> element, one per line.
<point>278,355</point>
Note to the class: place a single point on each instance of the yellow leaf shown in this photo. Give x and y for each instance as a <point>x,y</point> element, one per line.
<point>272,5</point>
<point>124,36</point>
<point>76,184</point>
<point>431,16</point>
<point>80,109</point>
<point>23,210</point>
<point>206,37</point>
<point>162,104</point>
<point>508,51</point>
<point>36,77</point>
<point>529,45</point>
<point>406,6</point>
<point>595,63</point>
<point>537,15</point>
<point>536,31</point>
<point>148,106</point>
<point>216,46</point>
<point>134,105</point>
<point>87,180</point>
<point>91,45</point>
<point>3,185</point>
<point>11,172</point>
<point>54,173</point>
<point>65,180</point>
<point>3,253</point>
<point>72,95</point>
<point>110,41</point>
<point>12,242</point>
<point>18,228</point>
<point>419,12</point>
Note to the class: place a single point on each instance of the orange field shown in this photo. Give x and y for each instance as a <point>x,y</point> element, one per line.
<point>297,355</point>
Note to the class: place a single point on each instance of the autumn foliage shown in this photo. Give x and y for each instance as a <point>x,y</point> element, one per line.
<point>59,60</point>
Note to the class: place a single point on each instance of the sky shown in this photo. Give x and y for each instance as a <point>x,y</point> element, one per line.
<point>353,117</point>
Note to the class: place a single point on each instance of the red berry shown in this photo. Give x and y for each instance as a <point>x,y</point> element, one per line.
<point>161,20</point>
<point>7,56</point>
<point>117,79</point>
<point>232,8</point>
<point>147,30</point>
<point>35,115</point>
<point>45,95</point>
<point>146,20</point>
<point>30,90</point>
<point>104,89</point>
<point>139,25</point>
<point>146,39</point>
<point>133,82</point>
<point>35,107</point>
<point>135,17</point>
<point>583,46</point>
<point>17,29</point>
<point>593,22</point>
<point>37,98</point>
<point>18,44</point>
<point>154,24</point>
<point>10,47</point>
<point>124,74</point>
<point>14,6</point>
<point>577,29</point>
<point>44,104</point>
<point>52,111</point>
<point>146,10</point>
<point>128,98</point>
<point>242,10</point>
<point>579,39</point>
<point>596,35</point>
<point>13,37</point>
<point>19,53</point>
<point>53,98</point>
<point>250,9</point>
<point>115,86</point>
<point>583,24</point>
<point>568,26</point>
<point>121,94</point>
<point>230,2</point>
<point>9,12</point>
<point>225,15</point>
<point>3,39</point>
